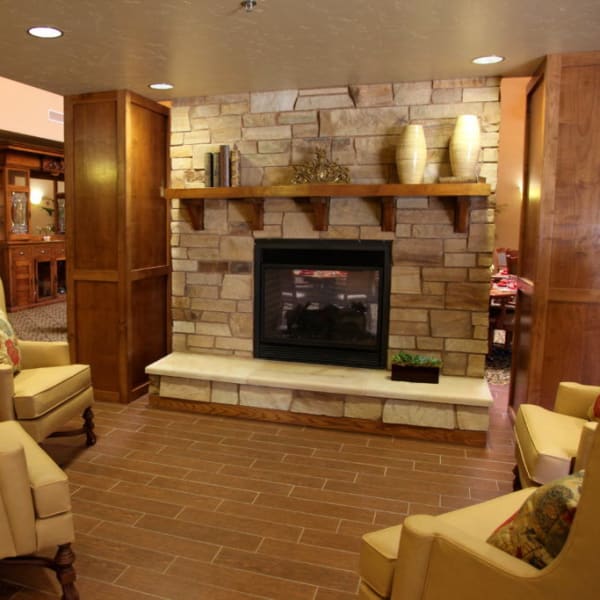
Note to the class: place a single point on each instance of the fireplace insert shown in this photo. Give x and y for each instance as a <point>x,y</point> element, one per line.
<point>322,301</point>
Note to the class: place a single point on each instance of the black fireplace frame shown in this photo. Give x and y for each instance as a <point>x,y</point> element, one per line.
<point>324,254</point>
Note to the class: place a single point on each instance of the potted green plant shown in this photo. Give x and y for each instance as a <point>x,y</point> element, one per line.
<point>415,368</point>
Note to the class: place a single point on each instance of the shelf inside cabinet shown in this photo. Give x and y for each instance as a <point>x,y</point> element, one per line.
<point>319,196</point>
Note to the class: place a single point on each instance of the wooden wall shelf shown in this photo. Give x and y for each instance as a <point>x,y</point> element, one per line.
<point>320,194</point>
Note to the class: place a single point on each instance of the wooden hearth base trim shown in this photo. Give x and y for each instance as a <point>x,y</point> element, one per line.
<point>432,434</point>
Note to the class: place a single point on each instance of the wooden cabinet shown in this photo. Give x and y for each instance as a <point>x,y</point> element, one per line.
<point>118,239</point>
<point>32,248</point>
<point>558,317</point>
<point>34,274</point>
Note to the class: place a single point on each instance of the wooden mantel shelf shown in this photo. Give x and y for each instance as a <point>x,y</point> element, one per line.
<point>319,195</point>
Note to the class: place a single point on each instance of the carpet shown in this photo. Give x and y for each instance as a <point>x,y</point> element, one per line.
<point>497,366</point>
<point>43,323</point>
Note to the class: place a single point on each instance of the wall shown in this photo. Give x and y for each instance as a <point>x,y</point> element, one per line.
<point>440,278</point>
<point>24,109</point>
<point>510,161</point>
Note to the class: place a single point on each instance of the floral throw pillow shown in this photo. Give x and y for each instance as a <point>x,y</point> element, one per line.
<point>10,353</point>
<point>537,532</point>
<point>594,410</point>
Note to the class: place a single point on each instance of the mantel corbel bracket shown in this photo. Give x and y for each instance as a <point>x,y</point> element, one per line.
<point>195,209</point>
<point>388,213</point>
<point>320,206</point>
<point>461,214</point>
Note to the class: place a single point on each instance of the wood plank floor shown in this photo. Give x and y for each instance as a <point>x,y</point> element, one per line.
<point>176,506</point>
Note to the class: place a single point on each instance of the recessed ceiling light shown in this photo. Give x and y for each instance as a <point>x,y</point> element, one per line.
<point>160,86</point>
<point>492,59</point>
<point>46,32</point>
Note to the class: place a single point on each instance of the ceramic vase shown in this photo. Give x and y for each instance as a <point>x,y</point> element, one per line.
<point>411,154</point>
<point>465,145</point>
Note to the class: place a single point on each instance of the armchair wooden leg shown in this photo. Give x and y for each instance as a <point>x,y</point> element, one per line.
<point>88,426</point>
<point>65,573</point>
<point>517,479</point>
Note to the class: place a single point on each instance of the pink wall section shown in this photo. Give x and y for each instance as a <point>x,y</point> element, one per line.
<point>24,109</point>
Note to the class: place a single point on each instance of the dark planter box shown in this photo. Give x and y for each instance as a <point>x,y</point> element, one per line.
<point>415,374</point>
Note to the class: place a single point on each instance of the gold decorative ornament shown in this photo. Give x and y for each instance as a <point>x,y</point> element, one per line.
<point>320,170</point>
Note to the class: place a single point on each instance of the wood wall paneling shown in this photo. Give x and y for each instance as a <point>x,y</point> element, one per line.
<point>558,317</point>
<point>94,211</point>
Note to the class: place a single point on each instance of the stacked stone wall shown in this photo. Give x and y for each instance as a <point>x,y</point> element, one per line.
<point>440,278</point>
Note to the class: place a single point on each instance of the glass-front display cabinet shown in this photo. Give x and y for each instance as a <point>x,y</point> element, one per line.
<point>32,211</point>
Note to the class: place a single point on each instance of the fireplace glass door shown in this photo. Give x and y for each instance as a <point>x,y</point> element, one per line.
<point>322,301</point>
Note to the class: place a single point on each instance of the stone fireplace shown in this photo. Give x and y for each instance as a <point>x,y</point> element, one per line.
<point>322,301</point>
<point>438,282</point>
<point>438,278</point>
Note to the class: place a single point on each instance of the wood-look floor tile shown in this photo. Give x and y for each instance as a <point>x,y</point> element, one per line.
<point>128,441</point>
<point>425,484</point>
<point>141,466</point>
<point>303,468</point>
<point>243,479</point>
<point>335,464</point>
<point>155,540</point>
<point>200,532</point>
<point>204,492</point>
<point>158,436</point>
<point>115,550</point>
<point>166,458</point>
<point>241,580</point>
<point>372,458</point>
<point>279,515</point>
<point>260,523</point>
<point>356,500</point>
<point>273,447</point>
<point>232,454</point>
<point>384,491</point>
<point>336,511</point>
<point>325,594</point>
<point>429,472</point>
<point>284,438</point>
<point>173,587</point>
<point>104,512</point>
<point>90,589</point>
<point>273,475</point>
<point>166,495</point>
<point>318,555</point>
<point>327,539</point>
<point>284,568</point>
<point>139,503</point>
<point>97,567</point>
<point>109,472</point>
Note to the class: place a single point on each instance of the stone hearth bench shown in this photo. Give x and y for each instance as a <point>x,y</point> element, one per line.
<point>454,410</point>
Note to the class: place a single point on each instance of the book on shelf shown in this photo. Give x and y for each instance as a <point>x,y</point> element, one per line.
<point>224,166</point>
<point>235,167</point>
<point>215,169</point>
<point>208,176</point>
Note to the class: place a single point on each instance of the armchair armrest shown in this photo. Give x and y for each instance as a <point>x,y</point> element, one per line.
<point>7,392</point>
<point>43,354</point>
<point>575,399</point>
<point>435,554</point>
<point>17,517</point>
<point>585,445</point>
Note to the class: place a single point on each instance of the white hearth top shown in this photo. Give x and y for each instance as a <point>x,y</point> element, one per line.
<point>469,391</point>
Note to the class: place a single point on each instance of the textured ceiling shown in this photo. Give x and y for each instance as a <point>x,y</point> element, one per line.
<point>214,46</point>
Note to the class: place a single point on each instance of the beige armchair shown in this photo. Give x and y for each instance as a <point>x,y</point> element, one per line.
<point>48,391</point>
<point>550,443</point>
<point>447,556</point>
<point>35,507</point>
